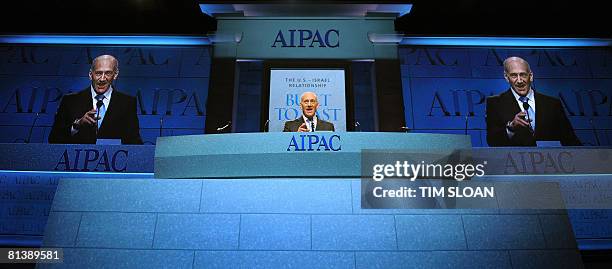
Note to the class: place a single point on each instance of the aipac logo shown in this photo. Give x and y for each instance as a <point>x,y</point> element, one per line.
<point>314,142</point>
<point>302,38</point>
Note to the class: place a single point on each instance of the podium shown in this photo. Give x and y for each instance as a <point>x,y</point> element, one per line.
<point>318,154</point>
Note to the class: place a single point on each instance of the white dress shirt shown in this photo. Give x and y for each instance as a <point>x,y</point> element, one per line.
<point>307,121</point>
<point>107,96</point>
<point>531,103</point>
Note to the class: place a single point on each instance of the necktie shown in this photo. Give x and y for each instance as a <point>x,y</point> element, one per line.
<point>102,109</point>
<point>312,128</point>
<point>530,111</point>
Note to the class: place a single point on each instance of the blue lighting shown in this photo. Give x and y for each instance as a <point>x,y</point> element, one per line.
<point>212,9</point>
<point>105,40</point>
<point>506,42</point>
<point>273,10</point>
<point>76,173</point>
<point>594,244</point>
<point>401,9</point>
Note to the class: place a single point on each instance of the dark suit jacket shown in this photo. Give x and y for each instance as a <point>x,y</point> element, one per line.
<point>551,122</point>
<point>294,125</point>
<point>120,120</point>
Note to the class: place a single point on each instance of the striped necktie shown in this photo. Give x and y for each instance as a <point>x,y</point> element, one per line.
<point>530,112</point>
<point>100,98</point>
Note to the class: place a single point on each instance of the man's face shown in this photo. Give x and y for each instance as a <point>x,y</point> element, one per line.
<point>102,75</point>
<point>519,77</point>
<point>309,104</point>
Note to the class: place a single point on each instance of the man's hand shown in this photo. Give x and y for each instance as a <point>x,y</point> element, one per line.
<point>519,120</point>
<point>303,128</point>
<point>89,118</point>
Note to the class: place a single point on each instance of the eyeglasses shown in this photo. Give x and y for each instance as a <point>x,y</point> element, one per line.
<point>515,75</point>
<point>309,101</point>
<point>99,74</point>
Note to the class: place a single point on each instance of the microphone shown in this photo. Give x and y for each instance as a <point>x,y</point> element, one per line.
<point>466,124</point>
<point>32,128</point>
<point>229,123</point>
<point>594,132</point>
<point>526,107</point>
<point>312,128</point>
<point>99,104</point>
<point>405,128</point>
<point>161,124</point>
<point>266,128</point>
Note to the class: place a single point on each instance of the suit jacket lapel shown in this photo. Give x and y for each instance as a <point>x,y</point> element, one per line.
<point>300,121</point>
<point>114,102</point>
<point>541,107</point>
<point>86,103</point>
<point>511,108</point>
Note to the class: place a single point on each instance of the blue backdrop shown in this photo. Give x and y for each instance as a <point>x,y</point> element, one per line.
<point>446,87</point>
<point>171,84</point>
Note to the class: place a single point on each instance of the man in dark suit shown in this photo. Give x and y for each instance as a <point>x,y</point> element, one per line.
<point>521,116</point>
<point>99,111</point>
<point>308,122</point>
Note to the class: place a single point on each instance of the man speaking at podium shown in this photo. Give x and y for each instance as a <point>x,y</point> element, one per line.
<point>521,116</point>
<point>308,122</point>
<point>99,111</point>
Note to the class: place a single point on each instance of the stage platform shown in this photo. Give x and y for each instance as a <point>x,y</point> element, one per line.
<point>266,210</point>
<point>288,223</point>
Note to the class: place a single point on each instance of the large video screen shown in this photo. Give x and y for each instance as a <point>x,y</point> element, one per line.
<point>287,86</point>
<point>170,84</point>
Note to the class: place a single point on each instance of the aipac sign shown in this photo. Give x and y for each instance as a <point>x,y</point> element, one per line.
<point>302,38</point>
